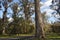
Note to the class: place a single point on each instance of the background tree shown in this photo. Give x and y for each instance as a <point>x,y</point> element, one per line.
<point>5,4</point>
<point>14,27</point>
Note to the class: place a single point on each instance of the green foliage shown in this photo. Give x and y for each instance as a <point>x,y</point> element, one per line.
<point>56,27</point>
<point>20,26</point>
<point>1,26</point>
<point>26,27</point>
<point>47,28</point>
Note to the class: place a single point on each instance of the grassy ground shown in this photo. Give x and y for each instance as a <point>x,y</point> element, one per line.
<point>47,38</point>
<point>51,36</point>
<point>14,36</point>
<point>7,36</point>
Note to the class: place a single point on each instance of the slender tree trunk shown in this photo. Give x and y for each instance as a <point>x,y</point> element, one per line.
<point>26,12</point>
<point>4,16</point>
<point>39,21</point>
<point>4,20</point>
<point>26,9</point>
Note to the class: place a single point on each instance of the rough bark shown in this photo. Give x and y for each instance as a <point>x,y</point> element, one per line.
<point>39,21</point>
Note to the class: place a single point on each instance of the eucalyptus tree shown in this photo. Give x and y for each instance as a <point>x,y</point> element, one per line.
<point>16,9</point>
<point>5,4</point>
<point>55,6</point>
<point>27,8</point>
<point>39,21</point>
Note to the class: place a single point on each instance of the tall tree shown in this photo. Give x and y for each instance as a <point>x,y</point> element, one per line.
<point>4,20</point>
<point>39,21</point>
<point>55,6</point>
<point>5,4</point>
<point>26,9</point>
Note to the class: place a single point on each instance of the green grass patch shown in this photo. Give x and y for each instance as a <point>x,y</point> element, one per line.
<point>7,36</point>
<point>53,35</point>
<point>16,35</point>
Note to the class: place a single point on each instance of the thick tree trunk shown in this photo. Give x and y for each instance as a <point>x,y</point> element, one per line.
<point>39,21</point>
